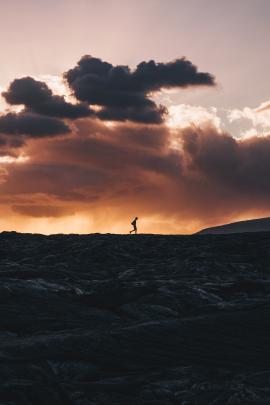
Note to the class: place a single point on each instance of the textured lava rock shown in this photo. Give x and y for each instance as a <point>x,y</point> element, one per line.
<point>141,319</point>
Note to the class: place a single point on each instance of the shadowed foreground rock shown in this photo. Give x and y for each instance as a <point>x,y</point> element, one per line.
<point>113,319</point>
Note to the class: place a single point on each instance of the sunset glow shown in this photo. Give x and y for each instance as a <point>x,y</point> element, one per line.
<point>103,122</point>
<point>11,159</point>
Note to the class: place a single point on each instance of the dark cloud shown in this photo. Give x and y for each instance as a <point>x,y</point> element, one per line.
<point>147,114</point>
<point>31,125</point>
<point>37,96</point>
<point>124,94</point>
<point>152,76</point>
<point>121,94</point>
<point>209,178</point>
<point>10,142</point>
<point>106,151</point>
<point>236,166</point>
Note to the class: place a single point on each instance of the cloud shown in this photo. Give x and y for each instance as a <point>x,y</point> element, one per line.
<point>3,175</point>
<point>115,93</point>
<point>40,211</point>
<point>147,114</point>
<point>185,115</point>
<point>13,159</point>
<point>264,106</point>
<point>37,97</point>
<point>259,119</point>
<point>124,94</point>
<point>31,124</point>
<point>110,173</point>
<point>182,174</point>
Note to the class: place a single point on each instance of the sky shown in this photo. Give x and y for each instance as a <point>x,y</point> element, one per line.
<point>122,108</point>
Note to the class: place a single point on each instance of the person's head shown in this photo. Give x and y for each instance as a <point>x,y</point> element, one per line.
<point>136,218</point>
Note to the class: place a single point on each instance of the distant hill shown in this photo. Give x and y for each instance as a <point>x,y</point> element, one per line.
<point>253,225</point>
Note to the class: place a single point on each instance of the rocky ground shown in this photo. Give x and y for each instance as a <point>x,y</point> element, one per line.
<point>251,225</point>
<point>146,319</point>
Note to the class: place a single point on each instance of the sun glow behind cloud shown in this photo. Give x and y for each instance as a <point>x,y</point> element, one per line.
<point>184,115</point>
<point>11,159</point>
<point>258,118</point>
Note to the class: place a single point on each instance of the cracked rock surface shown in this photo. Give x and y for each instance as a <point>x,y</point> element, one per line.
<point>140,319</point>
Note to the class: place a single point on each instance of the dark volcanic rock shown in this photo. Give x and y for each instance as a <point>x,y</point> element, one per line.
<point>252,225</point>
<point>113,319</point>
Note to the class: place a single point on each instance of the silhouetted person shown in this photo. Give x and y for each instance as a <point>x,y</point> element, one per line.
<point>134,224</point>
